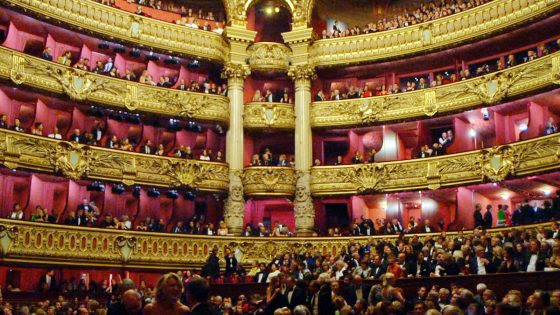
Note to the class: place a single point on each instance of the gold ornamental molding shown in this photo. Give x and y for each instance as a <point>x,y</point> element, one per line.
<point>117,24</point>
<point>79,85</point>
<point>493,88</point>
<point>267,56</point>
<point>269,181</point>
<point>457,29</point>
<point>269,115</point>
<point>492,164</point>
<point>40,243</point>
<point>76,161</point>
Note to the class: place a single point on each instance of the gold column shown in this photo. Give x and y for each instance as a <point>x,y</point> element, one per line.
<point>302,73</point>
<point>235,71</point>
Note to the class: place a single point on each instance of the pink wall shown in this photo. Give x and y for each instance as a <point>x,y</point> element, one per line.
<point>17,39</point>
<point>462,140</point>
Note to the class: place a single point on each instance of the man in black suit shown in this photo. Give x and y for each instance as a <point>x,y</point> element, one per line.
<point>47,282</point>
<point>527,213</point>
<point>477,216</point>
<point>377,268</point>
<point>97,132</point>
<point>427,228</point>
<point>397,226</point>
<point>147,148</point>
<point>76,136</point>
<point>261,276</point>
<point>367,227</point>
<point>197,297</point>
<point>84,206</point>
<point>488,217</point>
<point>319,97</point>
<point>356,291</point>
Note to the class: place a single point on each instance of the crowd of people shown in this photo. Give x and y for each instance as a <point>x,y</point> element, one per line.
<point>268,159</point>
<point>439,147</point>
<point>282,96</point>
<point>96,137</point>
<point>423,82</point>
<point>424,13</point>
<point>109,68</point>
<point>190,17</point>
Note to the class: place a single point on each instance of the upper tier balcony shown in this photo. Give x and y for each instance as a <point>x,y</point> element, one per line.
<point>269,181</point>
<point>81,85</point>
<point>69,245</point>
<point>492,164</point>
<point>453,30</point>
<point>127,27</point>
<point>524,79</point>
<point>75,161</point>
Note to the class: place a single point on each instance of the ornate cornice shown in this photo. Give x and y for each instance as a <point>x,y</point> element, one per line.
<point>300,10</point>
<point>521,80</point>
<point>269,181</point>
<point>265,56</point>
<point>235,71</point>
<point>76,161</point>
<point>493,164</point>
<point>304,72</point>
<point>80,85</point>
<point>42,243</point>
<point>457,29</point>
<point>117,24</point>
<point>269,115</point>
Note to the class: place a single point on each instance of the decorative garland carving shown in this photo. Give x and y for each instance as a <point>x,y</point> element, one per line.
<point>125,246</point>
<point>304,211</point>
<point>498,162</point>
<point>8,234</point>
<point>77,84</point>
<point>269,56</point>
<point>368,176</point>
<point>183,173</point>
<point>269,180</point>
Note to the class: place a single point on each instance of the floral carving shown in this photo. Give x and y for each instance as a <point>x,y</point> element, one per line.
<point>77,84</point>
<point>367,177</point>
<point>235,71</point>
<point>302,72</point>
<point>498,162</point>
<point>269,56</point>
<point>183,173</point>
<point>278,180</point>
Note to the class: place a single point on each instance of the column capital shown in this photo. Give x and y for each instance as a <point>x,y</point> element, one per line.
<point>304,72</point>
<point>235,71</point>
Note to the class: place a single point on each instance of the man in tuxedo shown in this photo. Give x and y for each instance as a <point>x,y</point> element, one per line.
<point>427,228</point>
<point>356,291</point>
<point>47,281</point>
<point>377,267</point>
<point>261,276</point>
<point>397,226</point>
<point>367,227</point>
<point>147,148</point>
<point>488,217</point>
<point>84,206</point>
<point>197,297</point>
<point>319,97</point>
<point>477,216</point>
<point>108,66</point>
<point>97,132</point>
<point>182,86</point>
<point>76,136</point>
<point>294,294</point>
<point>534,260</point>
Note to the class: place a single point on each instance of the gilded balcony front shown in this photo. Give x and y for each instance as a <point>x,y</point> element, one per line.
<point>79,85</point>
<point>269,115</point>
<point>269,181</point>
<point>523,79</point>
<point>493,17</point>
<point>113,23</point>
<point>267,56</point>
<point>493,164</point>
<point>75,161</point>
<point>40,243</point>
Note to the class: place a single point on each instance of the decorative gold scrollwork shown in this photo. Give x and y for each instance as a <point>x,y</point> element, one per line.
<point>77,84</point>
<point>498,162</point>
<point>183,173</point>
<point>17,72</point>
<point>125,245</point>
<point>8,234</point>
<point>368,176</point>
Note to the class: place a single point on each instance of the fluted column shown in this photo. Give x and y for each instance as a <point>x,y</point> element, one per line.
<point>235,203</point>
<point>304,211</point>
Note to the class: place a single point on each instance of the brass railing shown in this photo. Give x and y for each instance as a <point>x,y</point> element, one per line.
<point>269,115</point>
<point>40,243</point>
<point>482,21</point>
<point>75,161</point>
<point>493,164</point>
<point>81,85</point>
<point>117,24</point>
<point>527,78</point>
<point>269,181</point>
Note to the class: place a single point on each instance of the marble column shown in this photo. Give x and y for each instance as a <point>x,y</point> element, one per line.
<point>235,203</point>
<point>304,210</point>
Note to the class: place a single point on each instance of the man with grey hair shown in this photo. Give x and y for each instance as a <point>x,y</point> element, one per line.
<point>301,310</point>
<point>119,307</point>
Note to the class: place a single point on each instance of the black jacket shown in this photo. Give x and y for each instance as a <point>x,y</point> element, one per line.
<point>478,220</point>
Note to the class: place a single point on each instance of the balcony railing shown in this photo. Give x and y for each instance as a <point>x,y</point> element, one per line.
<point>75,161</point>
<point>132,28</point>
<point>527,78</point>
<point>41,243</point>
<point>269,181</point>
<point>81,85</point>
<point>482,21</point>
<point>493,164</point>
<point>269,115</point>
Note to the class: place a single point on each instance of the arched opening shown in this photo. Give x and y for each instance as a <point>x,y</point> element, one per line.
<point>269,19</point>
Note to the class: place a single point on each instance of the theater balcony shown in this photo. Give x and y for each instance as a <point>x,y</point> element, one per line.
<point>453,30</point>
<point>492,164</point>
<point>116,24</point>
<point>524,79</point>
<point>75,161</point>
<point>78,85</point>
<point>269,181</point>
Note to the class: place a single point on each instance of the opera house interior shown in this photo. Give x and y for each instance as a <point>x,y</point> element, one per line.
<point>279,157</point>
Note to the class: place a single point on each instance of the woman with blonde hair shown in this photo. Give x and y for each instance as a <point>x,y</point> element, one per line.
<point>168,293</point>
<point>386,291</point>
<point>258,97</point>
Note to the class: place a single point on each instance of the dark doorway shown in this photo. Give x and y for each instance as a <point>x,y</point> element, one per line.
<point>337,215</point>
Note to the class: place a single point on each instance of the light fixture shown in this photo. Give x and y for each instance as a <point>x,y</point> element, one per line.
<point>269,10</point>
<point>546,191</point>
<point>485,114</point>
<point>504,196</point>
<point>277,9</point>
<point>522,127</point>
<point>472,133</point>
